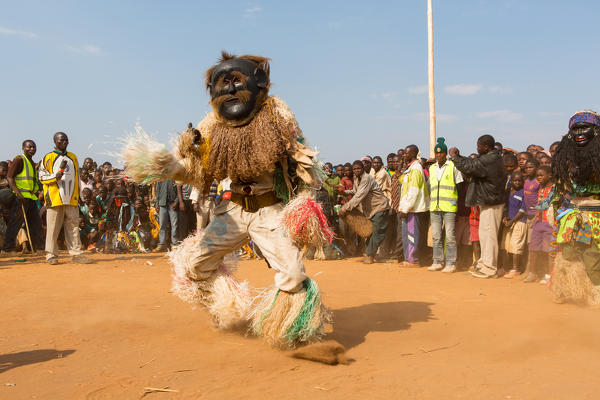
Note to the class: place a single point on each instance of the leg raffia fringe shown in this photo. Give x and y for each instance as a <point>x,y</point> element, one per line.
<point>226,299</point>
<point>286,319</point>
<point>570,283</point>
<point>283,319</point>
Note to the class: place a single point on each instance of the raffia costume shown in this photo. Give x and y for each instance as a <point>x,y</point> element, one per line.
<point>576,275</point>
<point>265,157</point>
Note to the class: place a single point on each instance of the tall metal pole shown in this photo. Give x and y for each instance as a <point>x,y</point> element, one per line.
<point>432,135</point>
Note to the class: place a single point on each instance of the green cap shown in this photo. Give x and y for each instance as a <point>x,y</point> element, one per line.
<point>441,147</point>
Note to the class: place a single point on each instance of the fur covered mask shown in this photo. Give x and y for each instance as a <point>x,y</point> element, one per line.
<point>576,160</point>
<point>238,87</point>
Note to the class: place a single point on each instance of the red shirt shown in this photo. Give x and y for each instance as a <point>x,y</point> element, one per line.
<point>474,216</point>
<point>542,215</point>
<point>347,185</point>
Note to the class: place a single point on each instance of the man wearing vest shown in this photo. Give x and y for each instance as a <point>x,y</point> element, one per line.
<point>60,177</point>
<point>23,180</point>
<point>443,205</point>
<point>413,206</point>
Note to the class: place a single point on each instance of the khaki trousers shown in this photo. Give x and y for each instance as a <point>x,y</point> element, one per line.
<point>56,217</point>
<point>204,214</point>
<point>231,227</point>
<point>490,218</point>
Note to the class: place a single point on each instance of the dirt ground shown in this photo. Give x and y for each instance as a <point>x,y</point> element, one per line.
<point>110,329</point>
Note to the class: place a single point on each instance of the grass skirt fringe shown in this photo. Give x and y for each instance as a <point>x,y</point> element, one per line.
<point>306,223</point>
<point>218,291</point>
<point>286,320</point>
<point>570,283</point>
<point>358,223</point>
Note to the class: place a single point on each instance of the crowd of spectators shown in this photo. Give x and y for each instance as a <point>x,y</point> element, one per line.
<point>487,212</point>
<point>97,209</point>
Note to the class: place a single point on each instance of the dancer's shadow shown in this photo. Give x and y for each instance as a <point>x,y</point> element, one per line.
<point>14,360</point>
<point>351,325</point>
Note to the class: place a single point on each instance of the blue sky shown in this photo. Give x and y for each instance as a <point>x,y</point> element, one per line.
<point>353,72</point>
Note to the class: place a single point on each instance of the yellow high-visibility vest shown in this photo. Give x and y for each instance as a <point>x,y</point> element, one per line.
<point>444,193</point>
<point>27,180</point>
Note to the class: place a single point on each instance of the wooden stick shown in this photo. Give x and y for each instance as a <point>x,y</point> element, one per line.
<point>151,389</point>
<point>432,133</point>
<point>440,348</point>
<point>27,227</point>
<point>146,363</point>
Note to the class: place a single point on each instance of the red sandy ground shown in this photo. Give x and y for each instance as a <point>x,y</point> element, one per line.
<point>110,329</point>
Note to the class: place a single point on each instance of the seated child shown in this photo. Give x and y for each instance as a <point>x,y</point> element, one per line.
<point>103,198</point>
<point>117,222</point>
<point>91,212</point>
<point>141,229</point>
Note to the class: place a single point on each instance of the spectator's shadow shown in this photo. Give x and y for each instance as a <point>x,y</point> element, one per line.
<point>351,325</point>
<point>14,360</point>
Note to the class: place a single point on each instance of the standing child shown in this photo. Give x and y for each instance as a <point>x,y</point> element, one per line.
<point>541,234</point>
<point>350,238</point>
<point>514,238</point>
<point>474,228</point>
<point>530,190</point>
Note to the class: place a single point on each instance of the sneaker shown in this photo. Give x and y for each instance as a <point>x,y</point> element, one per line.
<point>545,279</point>
<point>531,277</point>
<point>449,269</point>
<point>513,273</point>
<point>368,260</point>
<point>435,267</point>
<point>81,259</point>
<point>53,261</point>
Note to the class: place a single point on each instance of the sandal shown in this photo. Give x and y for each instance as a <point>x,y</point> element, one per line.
<point>513,273</point>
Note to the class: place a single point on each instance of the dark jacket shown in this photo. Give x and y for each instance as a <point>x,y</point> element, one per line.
<point>166,193</point>
<point>488,178</point>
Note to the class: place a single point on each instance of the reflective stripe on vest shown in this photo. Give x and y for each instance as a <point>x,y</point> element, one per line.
<point>26,180</point>
<point>444,195</point>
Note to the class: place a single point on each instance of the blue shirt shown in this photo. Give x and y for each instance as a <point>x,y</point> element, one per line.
<point>516,203</point>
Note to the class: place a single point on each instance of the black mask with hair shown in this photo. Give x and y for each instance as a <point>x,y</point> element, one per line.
<point>577,160</point>
<point>236,87</point>
<point>582,132</point>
